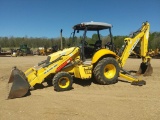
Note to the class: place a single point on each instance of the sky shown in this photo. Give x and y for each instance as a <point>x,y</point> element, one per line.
<point>45,18</point>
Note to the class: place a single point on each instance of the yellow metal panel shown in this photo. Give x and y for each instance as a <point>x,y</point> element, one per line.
<point>83,71</point>
<point>33,82</point>
<point>100,53</point>
<point>68,52</point>
<point>144,40</point>
<point>76,72</point>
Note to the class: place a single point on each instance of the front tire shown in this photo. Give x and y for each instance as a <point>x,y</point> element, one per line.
<point>62,81</point>
<point>106,71</point>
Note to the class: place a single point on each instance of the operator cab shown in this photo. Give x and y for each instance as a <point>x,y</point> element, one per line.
<point>91,30</point>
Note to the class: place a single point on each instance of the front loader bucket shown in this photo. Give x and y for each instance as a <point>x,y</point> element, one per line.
<point>145,69</point>
<point>20,85</point>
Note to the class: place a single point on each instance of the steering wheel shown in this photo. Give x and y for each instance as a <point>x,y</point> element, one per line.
<point>85,43</point>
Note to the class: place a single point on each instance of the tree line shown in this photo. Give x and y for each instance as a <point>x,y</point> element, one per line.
<point>15,42</point>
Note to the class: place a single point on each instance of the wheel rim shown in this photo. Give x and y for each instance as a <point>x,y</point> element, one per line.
<point>63,82</point>
<point>109,71</point>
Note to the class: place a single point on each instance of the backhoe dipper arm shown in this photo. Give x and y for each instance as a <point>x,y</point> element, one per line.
<point>130,43</point>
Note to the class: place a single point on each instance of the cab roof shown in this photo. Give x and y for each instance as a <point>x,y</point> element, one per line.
<point>92,26</point>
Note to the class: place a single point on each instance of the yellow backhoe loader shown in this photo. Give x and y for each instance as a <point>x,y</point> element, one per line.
<point>85,62</point>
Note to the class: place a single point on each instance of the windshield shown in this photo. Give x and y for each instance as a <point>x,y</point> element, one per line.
<point>91,37</point>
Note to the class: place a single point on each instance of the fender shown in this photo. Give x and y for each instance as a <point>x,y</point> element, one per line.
<point>102,52</point>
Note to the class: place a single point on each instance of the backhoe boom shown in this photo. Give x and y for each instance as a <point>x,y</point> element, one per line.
<point>130,43</point>
<point>141,35</point>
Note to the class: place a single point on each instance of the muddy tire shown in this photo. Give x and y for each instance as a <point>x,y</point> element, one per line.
<point>62,81</point>
<point>106,71</point>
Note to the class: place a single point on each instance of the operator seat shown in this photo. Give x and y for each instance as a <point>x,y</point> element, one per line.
<point>98,44</point>
<point>111,47</point>
<point>108,45</point>
<point>89,51</point>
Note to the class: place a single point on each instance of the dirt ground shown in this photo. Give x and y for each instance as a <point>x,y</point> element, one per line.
<point>87,101</point>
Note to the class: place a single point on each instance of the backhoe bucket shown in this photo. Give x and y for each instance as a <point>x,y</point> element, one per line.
<point>20,86</point>
<point>145,69</point>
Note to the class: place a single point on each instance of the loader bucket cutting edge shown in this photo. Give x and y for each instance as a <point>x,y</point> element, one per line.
<point>19,85</point>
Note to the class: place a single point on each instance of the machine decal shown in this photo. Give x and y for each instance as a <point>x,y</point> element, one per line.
<point>64,64</point>
<point>46,71</point>
<point>134,45</point>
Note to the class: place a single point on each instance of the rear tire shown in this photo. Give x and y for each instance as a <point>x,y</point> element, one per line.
<point>106,71</point>
<point>62,81</point>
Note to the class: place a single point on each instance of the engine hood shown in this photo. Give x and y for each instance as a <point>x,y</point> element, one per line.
<point>58,54</point>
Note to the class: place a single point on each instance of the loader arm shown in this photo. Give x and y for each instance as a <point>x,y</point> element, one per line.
<point>130,43</point>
